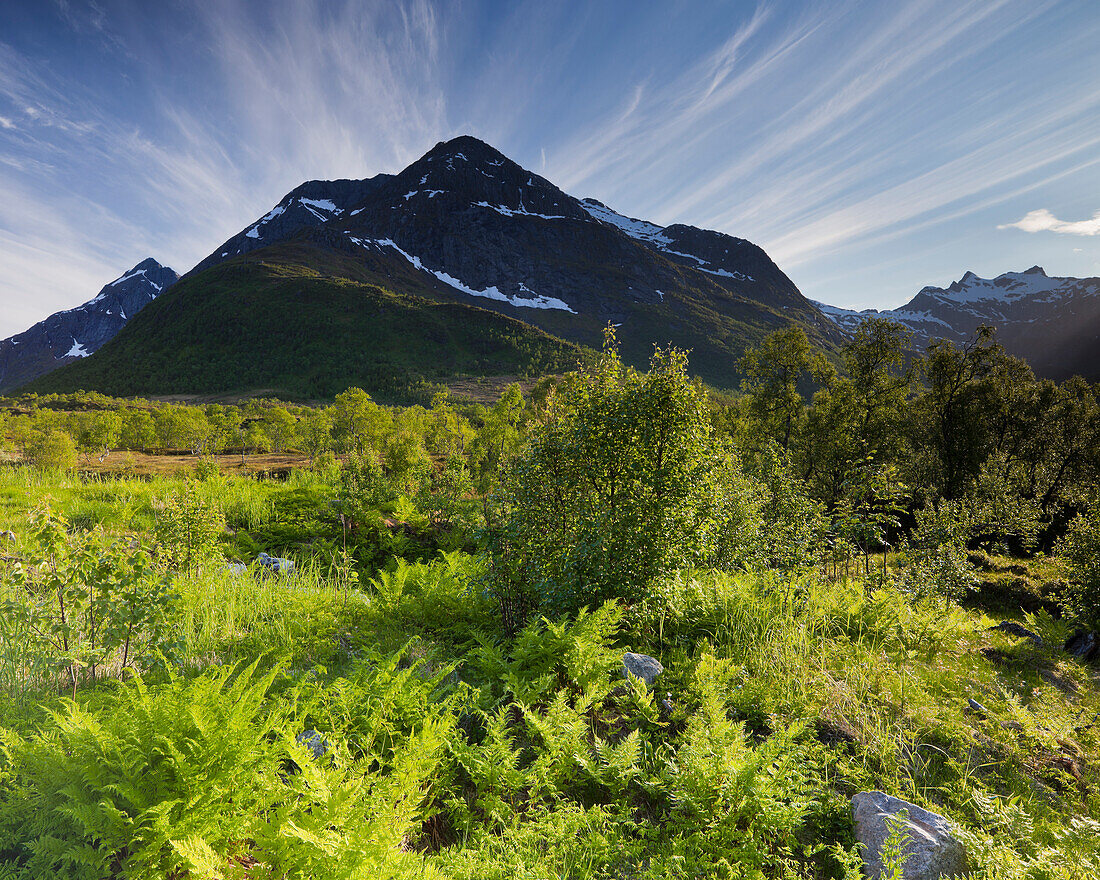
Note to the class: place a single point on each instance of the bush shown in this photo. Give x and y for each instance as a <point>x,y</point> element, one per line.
<point>1081,549</point>
<point>187,530</point>
<point>83,606</point>
<point>933,558</point>
<point>52,450</point>
<point>625,483</point>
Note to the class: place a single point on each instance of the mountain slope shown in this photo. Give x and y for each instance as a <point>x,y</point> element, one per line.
<point>464,225</point>
<point>76,333</point>
<point>279,325</point>
<point>1053,323</point>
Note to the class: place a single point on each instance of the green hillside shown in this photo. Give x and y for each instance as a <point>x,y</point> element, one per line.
<point>278,325</point>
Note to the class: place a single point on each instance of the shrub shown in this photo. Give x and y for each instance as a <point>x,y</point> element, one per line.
<point>624,483</point>
<point>933,559</point>
<point>52,450</point>
<point>187,530</point>
<point>1081,548</point>
<point>85,605</point>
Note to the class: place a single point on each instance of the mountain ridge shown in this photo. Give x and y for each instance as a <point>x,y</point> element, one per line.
<point>464,224</point>
<point>1052,322</point>
<point>78,332</point>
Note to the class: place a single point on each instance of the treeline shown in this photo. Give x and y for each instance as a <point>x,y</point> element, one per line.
<point>968,430</point>
<point>52,431</point>
<point>961,438</point>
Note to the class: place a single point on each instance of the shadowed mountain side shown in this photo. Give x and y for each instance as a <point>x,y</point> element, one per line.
<point>252,324</point>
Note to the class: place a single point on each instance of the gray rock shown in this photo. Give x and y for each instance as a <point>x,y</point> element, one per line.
<point>642,666</point>
<point>1015,629</point>
<point>318,746</point>
<point>275,564</point>
<point>1083,644</point>
<point>975,706</point>
<point>933,850</point>
<point>236,567</point>
<point>7,536</point>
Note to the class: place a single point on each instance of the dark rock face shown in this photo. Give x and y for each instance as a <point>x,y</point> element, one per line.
<point>1053,323</point>
<point>76,333</point>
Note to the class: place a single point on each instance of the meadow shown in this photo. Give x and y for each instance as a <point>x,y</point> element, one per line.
<point>435,689</point>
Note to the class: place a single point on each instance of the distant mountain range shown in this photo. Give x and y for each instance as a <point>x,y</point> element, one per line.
<point>462,264</point>
<point>76,333</point>
<point>1053,323</point>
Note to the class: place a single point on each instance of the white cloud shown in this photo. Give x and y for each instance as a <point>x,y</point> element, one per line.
<point>5,122</point>
<point>1043,220</point>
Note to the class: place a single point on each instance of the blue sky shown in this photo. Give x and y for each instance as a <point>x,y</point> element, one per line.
<point>870,147</point>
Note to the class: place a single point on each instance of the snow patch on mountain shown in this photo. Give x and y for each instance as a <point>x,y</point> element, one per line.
<point>77,350</point>
<point>517,212</point>
<point>119,281</point>
<point>536,301</point>
<point>321,205</point>
<point>254,232</point>
<point>639,229</point>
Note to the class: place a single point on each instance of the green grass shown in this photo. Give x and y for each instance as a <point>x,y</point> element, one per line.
<point>786,695</point>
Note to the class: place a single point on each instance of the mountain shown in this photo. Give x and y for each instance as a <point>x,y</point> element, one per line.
<point>67,336</point>
<point>464,228</point>
<point>1052,323</point>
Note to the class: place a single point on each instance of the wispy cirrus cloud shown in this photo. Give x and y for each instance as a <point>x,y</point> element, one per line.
<point>1043,220</point>
<point>836,135</point>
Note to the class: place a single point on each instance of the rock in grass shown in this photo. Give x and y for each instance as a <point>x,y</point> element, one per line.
<point>933,851</point>
<point>642,666</point>
<point>7,536</point>
<point>236,568</point>
<point>275,564</point>
<point>1015,629</point>
<point>312,740</point>
<point>1084,645</point>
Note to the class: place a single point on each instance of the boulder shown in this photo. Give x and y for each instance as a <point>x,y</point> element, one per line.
<point>1084,645</point>
<point>642,666</point>
<point>318,746</point>
<point>236,568</point>
<point>275,564</point>
<point>1015,629</point>
<point>933,851</point>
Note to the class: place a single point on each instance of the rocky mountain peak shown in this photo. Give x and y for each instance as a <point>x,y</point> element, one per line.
<point>465,171</point>
<point>76,333</point>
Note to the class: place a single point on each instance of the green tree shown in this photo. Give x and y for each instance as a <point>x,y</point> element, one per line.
<point>280,427</point>
<point>859,420</point>
<point>359,424</point>
<point>138,430</point>
<point>775,374</point>
<point>315,429</point>
<point>624,483</point>
<point>98,432</point>
<point>499,437</point>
